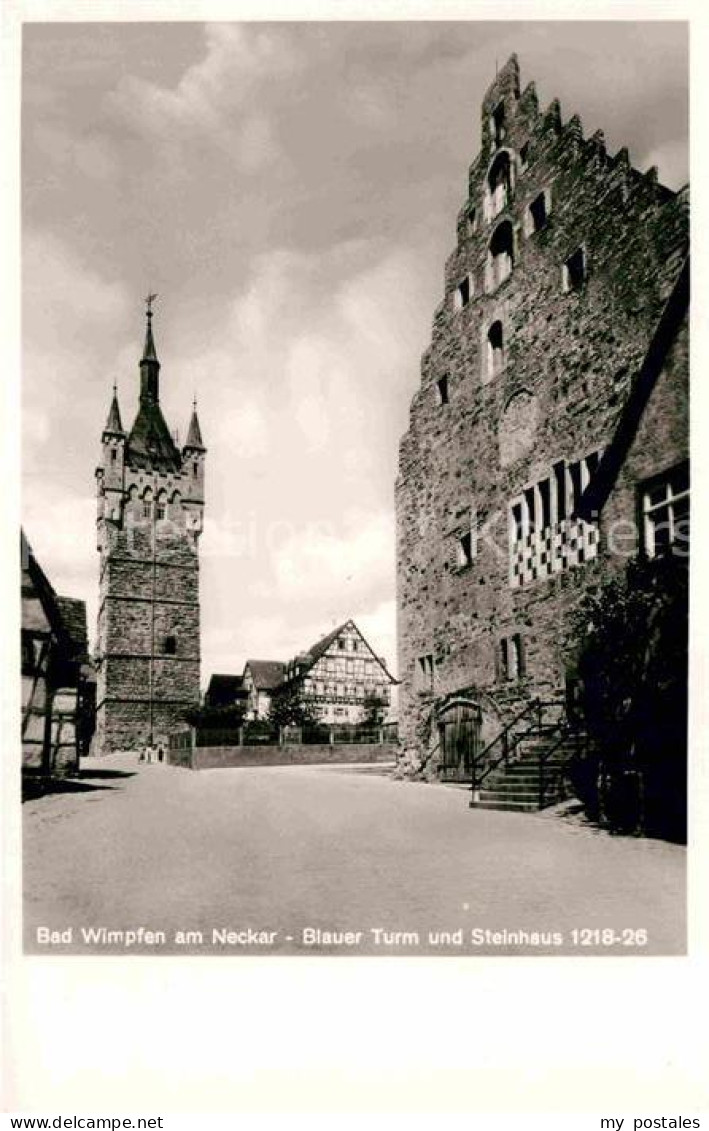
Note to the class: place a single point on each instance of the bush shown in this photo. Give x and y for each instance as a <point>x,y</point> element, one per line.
<point>290,709</point>
<point>217,718</point>
<point>633,698</point>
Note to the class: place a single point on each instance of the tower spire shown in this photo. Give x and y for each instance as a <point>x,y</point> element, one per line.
<point>113,420</point>
<point>194,432</point>
<point>149,364</point>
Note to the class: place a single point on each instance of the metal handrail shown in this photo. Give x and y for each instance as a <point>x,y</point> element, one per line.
<point>566,730</point>
<point>537,705</point>
<point>502,737</point>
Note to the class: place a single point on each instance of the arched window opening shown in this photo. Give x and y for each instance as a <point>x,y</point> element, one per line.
<point>500,255</point>
<point>499,185</point>
<point>463,292</point>
<point>574,274</point>
<point>511,657</point>
<point>497,124</point>
<point>495,349</point>
<point>536,214</point>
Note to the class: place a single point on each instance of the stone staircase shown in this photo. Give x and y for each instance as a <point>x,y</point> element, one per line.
<point>533,778</point>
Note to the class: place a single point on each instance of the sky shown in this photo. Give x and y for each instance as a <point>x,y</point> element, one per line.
<point>290,191</point>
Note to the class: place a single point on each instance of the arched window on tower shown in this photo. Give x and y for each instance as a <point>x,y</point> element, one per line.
<point>148,503</point>
<point>499,185</point>
<point>497,124</point>
<point>160,504</point>
<point>495,349</point>
<point>175,501</point>
<point>500,256</point>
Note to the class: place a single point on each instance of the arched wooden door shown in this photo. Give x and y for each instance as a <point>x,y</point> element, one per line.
<point>459,729</point>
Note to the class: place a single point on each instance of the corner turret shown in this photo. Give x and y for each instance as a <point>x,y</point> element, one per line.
<point>194,434</point>
<point>193,454</point>
<point>113,425</point>
<point>110,475</point>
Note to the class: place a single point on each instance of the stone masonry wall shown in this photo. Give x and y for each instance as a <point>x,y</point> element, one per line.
<point>482,429</point>
<point>232,757</point>
<point>145,598</point>
<point>661,443</point>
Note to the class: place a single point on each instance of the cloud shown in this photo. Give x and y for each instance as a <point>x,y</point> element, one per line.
<point>214,98</point>
<point>72,318</point>
<point>92,156</point>
<point>312,353</point>
<point>57,281</point>
<point>378,625</point>
<point>61,531</point>
<point>335,564</point>
<point>299,414</point>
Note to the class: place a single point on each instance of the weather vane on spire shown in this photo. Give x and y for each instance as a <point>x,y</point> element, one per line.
<point>150,299</point>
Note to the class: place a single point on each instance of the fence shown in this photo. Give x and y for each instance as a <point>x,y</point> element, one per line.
<point>260,734</point>
<point>286,754</point>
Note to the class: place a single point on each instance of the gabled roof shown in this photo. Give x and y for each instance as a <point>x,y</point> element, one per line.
<point>311,657</point>
<point>225,684</point>
<point>598,491</point>
<point>150,443</point>
<point>321,646</point>
<point>66,615</point>
<point>73,614</point>
<point>266,674</point>
<point>34,579</point>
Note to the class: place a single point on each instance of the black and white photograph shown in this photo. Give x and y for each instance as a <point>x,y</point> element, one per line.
<point>355,489</point>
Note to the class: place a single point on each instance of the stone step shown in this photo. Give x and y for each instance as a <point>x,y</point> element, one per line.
<point>541,757</point>
<point>521,794</point>
<point>531,772</point>
<point>544,749</point>
<point>526,771</point>
<point>531,787</point>
<point>505,805</point>
<point>530,764</point>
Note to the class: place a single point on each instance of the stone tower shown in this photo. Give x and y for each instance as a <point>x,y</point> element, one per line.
<point>150,507</point>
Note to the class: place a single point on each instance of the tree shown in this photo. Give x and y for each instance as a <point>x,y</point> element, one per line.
<point>633,674</point>
<point>289,707</point>
<point>374,708</point>
<point>231,716</point>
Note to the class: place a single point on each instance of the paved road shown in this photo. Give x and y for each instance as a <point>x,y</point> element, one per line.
<point>255,859</point>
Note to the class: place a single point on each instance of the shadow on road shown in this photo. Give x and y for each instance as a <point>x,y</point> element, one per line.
<point>33,788</point>
<point>106,774</point>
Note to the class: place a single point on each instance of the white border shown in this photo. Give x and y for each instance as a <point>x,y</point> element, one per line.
<point>150,1036</point>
